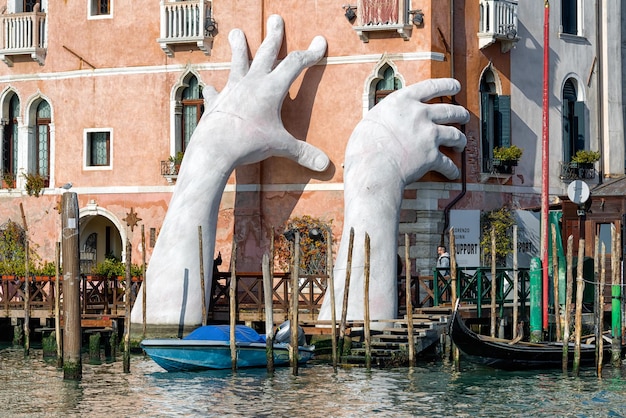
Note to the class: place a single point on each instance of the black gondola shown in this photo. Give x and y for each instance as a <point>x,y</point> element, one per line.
<point>509,355</point>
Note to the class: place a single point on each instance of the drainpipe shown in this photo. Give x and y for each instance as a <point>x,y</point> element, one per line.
<point>449,206</point>
<point>599,80</point>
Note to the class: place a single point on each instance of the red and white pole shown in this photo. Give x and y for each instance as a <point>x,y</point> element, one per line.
<point>545,161</point>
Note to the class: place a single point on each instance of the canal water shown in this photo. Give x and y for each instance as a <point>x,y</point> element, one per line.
<point>31,387</point>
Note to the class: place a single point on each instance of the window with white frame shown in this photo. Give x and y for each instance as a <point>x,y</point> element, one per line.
<point>26,6</point>
<point>42,148</point>
<point>570,14</point>
<point>11,111</point>
<point>189,109</point>
<point>495,118</point>
<point>98,148</point>
<point>100,8</point>
<point>573,121</point>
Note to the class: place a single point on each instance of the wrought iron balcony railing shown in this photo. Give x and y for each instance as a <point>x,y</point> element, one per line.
<point>577,171</point>
<point>23,35</point>
<point>186,23</point>
<point>498,22</point>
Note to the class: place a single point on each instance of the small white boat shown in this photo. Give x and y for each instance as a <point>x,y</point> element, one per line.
<point>208,347</point>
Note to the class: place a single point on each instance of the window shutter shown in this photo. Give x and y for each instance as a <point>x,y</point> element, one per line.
<point>487,146</point>
<point>579,120</point>
<point>503,129</point>
<point>565,128</point>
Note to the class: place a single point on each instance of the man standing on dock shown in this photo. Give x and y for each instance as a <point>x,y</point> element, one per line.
<point>443,261</point>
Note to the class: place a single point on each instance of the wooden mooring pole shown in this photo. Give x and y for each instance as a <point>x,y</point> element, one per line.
<point>268,295</point>
<point>366,306</point>
<point>409,299</point>
<point>202,285</point>
<point>494,286</point>
<point>344,306</point>
<point>72,364</point>
<point>295,295</point>
<point>127,308</point>
<point>456,355</point>
<point>578,322</point>
<point>568,299</point>
<point>57,304</point>
<point>515,286</point>
<point>616,296</point>
<point>331,288</point>
<point>600,341</point>
<point>143,285</point>
<point>232,294</point>
<point>26,285</point>
<point>555,281</point>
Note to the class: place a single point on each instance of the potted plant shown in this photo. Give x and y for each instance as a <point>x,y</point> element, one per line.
<point>8,180</point>
<point>505,158</point>
<point>585,158</point>
<point>175,161</point>
<point>35,182</point>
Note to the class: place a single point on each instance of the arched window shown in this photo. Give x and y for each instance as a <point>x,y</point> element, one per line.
<point>191,109</point>
<point>573,121</point>
<point>9,142</point>
<point>495,118</point>
<point>387,85</point>
<point>42,150</point>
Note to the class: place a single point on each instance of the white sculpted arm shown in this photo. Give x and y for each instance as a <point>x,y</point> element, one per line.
<point>395,144</point>
<point>241,125</point>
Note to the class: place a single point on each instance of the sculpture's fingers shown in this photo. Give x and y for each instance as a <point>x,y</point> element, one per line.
<point>304,154</point>
<point>449,136</point>
<point>210,95</point>
<point>447,113</point>
<point>295,62</point>
<point>239,49</point>
<point>431,88</point>
<point>446,167</point>
<point>266,55</point>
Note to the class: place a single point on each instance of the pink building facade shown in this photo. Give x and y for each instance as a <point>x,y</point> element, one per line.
<point>101,93</point>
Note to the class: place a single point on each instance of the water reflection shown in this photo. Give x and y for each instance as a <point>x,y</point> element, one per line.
<point>34,388</point>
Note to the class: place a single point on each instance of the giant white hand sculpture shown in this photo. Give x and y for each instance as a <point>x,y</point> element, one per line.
<point>395,144</point>
<point>241,125</point>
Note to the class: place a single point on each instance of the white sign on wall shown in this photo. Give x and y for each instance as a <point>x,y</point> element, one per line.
<point>466,224</point>
<point>528,237</point>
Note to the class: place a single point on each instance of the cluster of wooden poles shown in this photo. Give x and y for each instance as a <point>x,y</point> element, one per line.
<point>337,344</point>
<point>535,298</point>
<point>69,347</point>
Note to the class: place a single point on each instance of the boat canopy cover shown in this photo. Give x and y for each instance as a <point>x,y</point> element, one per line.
<point>243,334</point>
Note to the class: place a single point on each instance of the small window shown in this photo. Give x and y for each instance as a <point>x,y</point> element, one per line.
<point>98,149</point>
<point>569,17</point>
<point>100,8</point>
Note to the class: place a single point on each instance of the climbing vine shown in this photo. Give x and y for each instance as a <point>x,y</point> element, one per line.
<point>502,221</point>
<point>313,247</point>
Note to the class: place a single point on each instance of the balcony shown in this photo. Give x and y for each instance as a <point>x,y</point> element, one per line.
<point>577,171</point>
<point>498,22</point>
<point>376,16</point>
<point>23,37</point>
<point>185,25</point>
<point>169,170</point>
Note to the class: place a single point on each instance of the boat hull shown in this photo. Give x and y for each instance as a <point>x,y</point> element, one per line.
<point>505,355</point>
<point>194,355</point>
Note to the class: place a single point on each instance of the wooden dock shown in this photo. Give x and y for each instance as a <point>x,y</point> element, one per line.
<point>389,347</point>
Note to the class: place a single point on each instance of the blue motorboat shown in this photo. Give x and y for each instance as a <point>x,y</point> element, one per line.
<point>208,347</point>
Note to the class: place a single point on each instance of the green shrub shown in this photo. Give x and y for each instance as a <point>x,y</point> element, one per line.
<point>586,156</point>
<point>512,153</point>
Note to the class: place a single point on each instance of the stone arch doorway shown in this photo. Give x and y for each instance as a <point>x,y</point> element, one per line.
<point>101,236</point>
